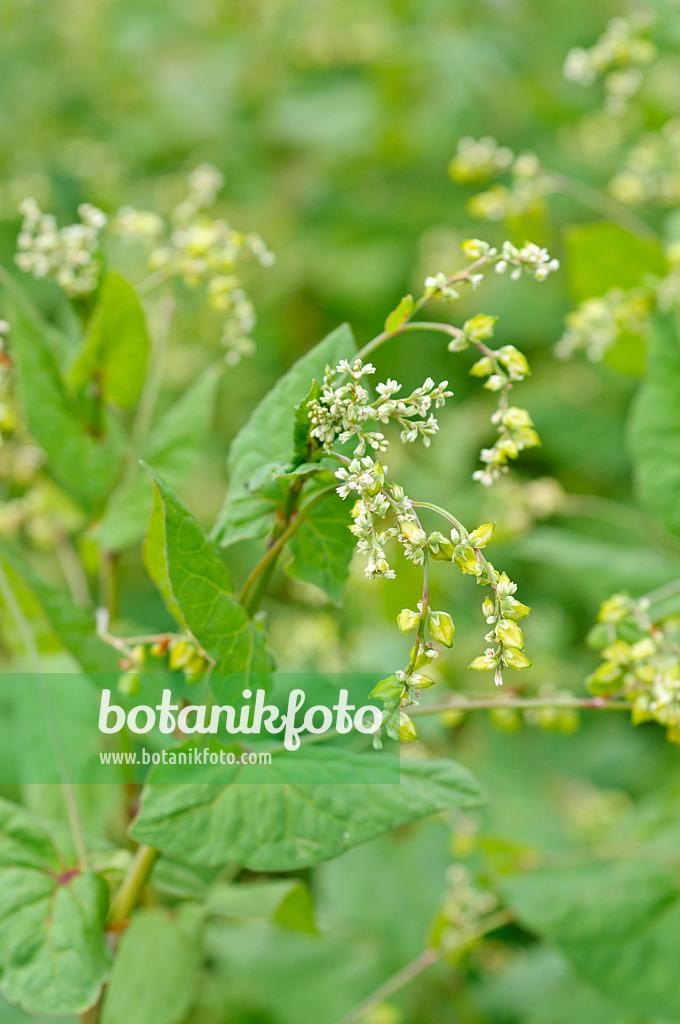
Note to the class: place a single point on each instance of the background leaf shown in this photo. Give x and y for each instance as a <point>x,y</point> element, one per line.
<point>618,923</point>
<point>273,827</point>
<point>601,255</point>
<point>196,587</point>
<point>268,437</point>
<point>171,449</point>
<point>322,547</point>
<point>156,972</point>
<point>654,426</point>
<point>85,465</point>
<point>116,348</point>
<point>53,955</point>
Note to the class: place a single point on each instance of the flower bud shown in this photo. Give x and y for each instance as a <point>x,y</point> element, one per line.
<point>440,547</point>
<point>482,368</point>
<point>480,327</point>
<point>420,682</point>
<point>514,361</point>
<point>413,533</point>
<point>474,248</point>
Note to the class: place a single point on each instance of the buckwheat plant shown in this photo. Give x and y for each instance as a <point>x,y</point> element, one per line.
<point>343,424</point>
<point>189,246</point>
<point>617,59</point>
<point>640,660</point>
<point>342,414</point>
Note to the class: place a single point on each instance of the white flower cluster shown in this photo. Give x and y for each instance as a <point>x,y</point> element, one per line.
<point>651,171</point>
<point>618,55</point>
<point>515,433</point>
<point>67,255</point>
<point>530,258</point>
<point>343,412</point>
<point>465,907</point>
<point>203,251</point>
<point>375,502</point>
<point>502,612</point>
<point>480,160</point>
<point>646,670</point>
<point>598,323</point>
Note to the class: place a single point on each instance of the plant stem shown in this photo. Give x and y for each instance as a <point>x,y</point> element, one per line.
<point>421,963</point>
<point>108,583</point>
<point>133,884</point>
<point>91,1016</point>
<point>147,402</point>
<point>464,703</point>
<point>669,590</point>
<point>600,202</point>
<point>252,594</point>
<point>33,655</point>
<point>72,570</point>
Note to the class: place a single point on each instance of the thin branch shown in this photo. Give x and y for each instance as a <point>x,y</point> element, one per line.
<point>421,963</point>
<point>249,593</point>
<point>464,703</point>
<point>601,203</point>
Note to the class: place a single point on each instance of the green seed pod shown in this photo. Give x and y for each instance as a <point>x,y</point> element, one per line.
<point>515,658</point>
<point>181,653</point>
<point>509,633</point>
<point>480,327</point>
<point>195,668</point>
<point>481,536</point>
<point>441,627</point>
<point>505,719</point>
<point>407,620</point>
<point>440,547</point>
<point>406,728</point>
<point>128,684</point>
<point>387,689</point>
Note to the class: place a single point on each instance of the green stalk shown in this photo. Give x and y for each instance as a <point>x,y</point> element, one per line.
<point>255,586</point>
<point>133,884</point>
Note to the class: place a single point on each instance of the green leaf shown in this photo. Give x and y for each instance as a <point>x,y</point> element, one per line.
<point>400,315</point>
<point>74,625</point>
<point>85,465</point>
<point>618,923</point>
<point>301,445</point>
<point>53,953</point>
<point>601,256</point>
<point>268,437</point>
<point>156,972</point>
<point>116,348</point>
<point>322,547</point>
<point>654,426</point>
<point>283,827</point>
<point>170,449</point>
<point>195,584</point>
<point>287,901</point>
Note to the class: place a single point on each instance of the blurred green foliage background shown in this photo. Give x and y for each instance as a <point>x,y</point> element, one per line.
<point>333,122</point>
